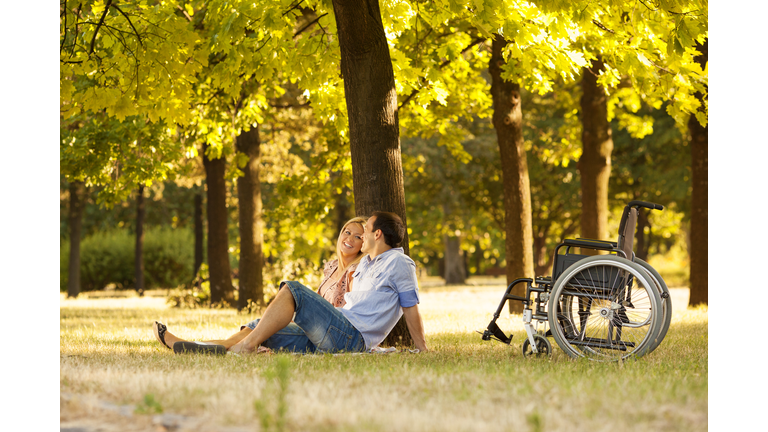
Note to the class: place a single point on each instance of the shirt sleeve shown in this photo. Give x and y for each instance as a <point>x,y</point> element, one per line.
<point>405,283</point>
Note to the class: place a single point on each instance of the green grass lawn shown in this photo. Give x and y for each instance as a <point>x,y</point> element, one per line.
<point>115,376</point>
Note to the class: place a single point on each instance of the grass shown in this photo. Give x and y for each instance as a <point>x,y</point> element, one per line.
<point>109,356</point>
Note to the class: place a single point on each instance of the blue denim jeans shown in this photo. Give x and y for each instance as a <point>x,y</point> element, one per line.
<point>317,326</point>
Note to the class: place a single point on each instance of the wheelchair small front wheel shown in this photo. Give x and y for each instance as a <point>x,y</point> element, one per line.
<point>543,346</point>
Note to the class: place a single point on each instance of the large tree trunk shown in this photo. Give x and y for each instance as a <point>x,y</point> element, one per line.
<point>199,237</point>
<point>374,132</point>
<point>76,209</point>
<point>218,236</point>
<point>508,122</point>
<point>139,257</point>
<point>595,162</point>
<point>251,233</point>
<point>699,249</point>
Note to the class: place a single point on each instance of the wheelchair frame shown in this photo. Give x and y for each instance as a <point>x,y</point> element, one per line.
<point>614,293</point>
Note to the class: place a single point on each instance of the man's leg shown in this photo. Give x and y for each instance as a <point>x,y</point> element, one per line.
<point>322,325</point>
<point>277,316</point>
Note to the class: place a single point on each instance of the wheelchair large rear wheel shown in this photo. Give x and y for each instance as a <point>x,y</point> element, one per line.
<point>605,308</point>
<point>666,302</point>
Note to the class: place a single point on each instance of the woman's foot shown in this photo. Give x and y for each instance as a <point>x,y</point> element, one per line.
<point>160,329</point>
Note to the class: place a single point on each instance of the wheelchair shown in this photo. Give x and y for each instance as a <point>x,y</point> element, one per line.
<point>606,307</point>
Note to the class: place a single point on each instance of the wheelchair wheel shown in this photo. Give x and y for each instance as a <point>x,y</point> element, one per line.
<point>666,302</point>
<point>543,347</point>
<point>605,308</point>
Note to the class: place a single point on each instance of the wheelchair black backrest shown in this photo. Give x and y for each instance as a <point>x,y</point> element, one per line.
<point>627,231</point>
<point>624,244</point>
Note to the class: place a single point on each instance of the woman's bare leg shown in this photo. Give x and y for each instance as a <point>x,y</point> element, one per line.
<point>171,339</point>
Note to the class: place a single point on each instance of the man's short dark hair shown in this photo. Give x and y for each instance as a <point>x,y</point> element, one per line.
<point>391,226</point>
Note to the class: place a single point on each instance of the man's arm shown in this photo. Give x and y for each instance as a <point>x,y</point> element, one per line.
<point>415,326</point>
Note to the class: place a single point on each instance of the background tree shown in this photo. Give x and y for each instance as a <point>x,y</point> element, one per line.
<point>595,162</point>
<point>218,237</point>
<point>76,204</point>
<point>508,120</point>
<point>139,250</point>
<point>699,201</point>
<point>251,233</point>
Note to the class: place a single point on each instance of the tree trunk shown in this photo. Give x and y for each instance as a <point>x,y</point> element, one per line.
<point>508,122</point>
<point>699,249</point>
<point>374,132</point>
<point>218,237</point>
<point>643,241</point>
<point>139,258</point>
<point>342,209</point>
<point>595,162</point>
<point>198,216</point>
<point>76,210</point>
<point>251,233</point>
<point>455,272</point>
<point>540,252</point>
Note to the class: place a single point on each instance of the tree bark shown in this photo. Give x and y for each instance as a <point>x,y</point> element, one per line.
<point>249,211</point>
<point>508,122</point>
<point>76,210</point>
<point>595,162</point>
<point>455,272</point>
<point>218,236</point>
<point>699,249</point>
<point>139,257</point>
<point>199,237</point>
<point>374,132</point>
<point>643,243</point>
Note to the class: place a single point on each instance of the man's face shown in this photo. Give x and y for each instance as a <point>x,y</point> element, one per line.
<point>368,236</point>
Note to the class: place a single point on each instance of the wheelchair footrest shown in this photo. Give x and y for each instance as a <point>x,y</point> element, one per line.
<point>493,330</point>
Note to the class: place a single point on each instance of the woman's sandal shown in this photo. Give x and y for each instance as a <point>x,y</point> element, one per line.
<point>160,330</point>
<point>198,348</point>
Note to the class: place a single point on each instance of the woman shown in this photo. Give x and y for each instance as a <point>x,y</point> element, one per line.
<point>336,281</point>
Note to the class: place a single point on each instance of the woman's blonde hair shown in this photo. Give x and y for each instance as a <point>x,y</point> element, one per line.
<point>356,220</point>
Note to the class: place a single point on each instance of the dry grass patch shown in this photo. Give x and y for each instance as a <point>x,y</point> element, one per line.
<point>108,355</point>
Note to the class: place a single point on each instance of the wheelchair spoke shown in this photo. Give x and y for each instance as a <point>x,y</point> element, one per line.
<point>609,308</point>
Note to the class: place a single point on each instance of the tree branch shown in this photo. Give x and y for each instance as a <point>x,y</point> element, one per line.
<point>442,65</point>
<point>98,26</point>
<point>64,12</point>
<point>189,18</point>
<point>130,23</point>
<point>293,7</point>
<point>602,27</point>
<point>308,25</point>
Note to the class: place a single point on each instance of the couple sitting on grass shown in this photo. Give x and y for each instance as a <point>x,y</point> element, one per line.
<point>364,292</point>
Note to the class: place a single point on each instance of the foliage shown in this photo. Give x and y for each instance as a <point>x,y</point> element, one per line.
<point>144,84</point>
<point>108,258</point>
<point>148,405</point>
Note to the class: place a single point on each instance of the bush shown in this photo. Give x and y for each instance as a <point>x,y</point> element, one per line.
<point>169,255</point>
<point>109,258</point>
<point>63,265</point>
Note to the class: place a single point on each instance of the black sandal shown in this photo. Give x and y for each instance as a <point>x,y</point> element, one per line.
<point>160,329</point>
<point>198,348</point>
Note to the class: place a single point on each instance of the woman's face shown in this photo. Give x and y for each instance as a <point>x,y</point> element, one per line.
<point>350,240</point>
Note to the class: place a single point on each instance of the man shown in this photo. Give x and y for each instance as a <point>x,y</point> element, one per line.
<point>384,288</point>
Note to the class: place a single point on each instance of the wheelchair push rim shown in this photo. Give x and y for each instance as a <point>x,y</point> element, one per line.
<point>605,308</point>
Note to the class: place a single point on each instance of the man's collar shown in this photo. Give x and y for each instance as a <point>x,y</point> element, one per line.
<point>368,259</point>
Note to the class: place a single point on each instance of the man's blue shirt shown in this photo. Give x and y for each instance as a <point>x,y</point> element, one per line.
<point>382,287</point>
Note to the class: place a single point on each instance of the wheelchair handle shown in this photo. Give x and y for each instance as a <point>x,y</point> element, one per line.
<point>645,204</point>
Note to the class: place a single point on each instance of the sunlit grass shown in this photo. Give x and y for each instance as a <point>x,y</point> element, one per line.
<point>108,353</point>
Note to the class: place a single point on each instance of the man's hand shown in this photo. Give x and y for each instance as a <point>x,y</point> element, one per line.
<point>415,327</point>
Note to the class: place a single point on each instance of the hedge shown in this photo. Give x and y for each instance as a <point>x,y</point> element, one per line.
<point>109,258</point>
